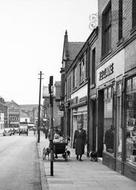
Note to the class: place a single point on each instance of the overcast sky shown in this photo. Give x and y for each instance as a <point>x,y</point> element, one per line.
<point>31,40</point>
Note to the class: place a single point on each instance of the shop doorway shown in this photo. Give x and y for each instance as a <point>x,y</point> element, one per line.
<point>93,103</point>
<point>68,123</point>
<point>100,121</point>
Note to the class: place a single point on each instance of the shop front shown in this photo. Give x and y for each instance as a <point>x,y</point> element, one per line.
<point>78,106</point>
<point>130,127</point>
<point>109,111</point>
<point>78,114</point>
<point>129,102</point>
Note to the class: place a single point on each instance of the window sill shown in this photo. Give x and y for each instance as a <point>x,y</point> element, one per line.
<point>133,30</point>
<point>74,88</point>
<point>92,86</point>
<point>106,54</point>
<point>120,41</point>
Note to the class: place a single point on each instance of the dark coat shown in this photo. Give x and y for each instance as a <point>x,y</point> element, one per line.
<point>109,140</point>
<point>79,141</point>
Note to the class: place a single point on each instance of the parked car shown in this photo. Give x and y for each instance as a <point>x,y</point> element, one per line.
<point>16,129</point>
<point>1,132</point>
<point>13,131</point>
<point>23,129</point>
<point>7,132</point>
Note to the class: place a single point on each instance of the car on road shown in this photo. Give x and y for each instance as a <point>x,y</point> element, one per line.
<point>7,132</point>
<point>16,129</point>
<point>12,130</point>
<point>23,129</point>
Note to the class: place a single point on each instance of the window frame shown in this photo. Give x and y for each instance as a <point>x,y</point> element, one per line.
<point>106,29</point>
<point>133,13</point>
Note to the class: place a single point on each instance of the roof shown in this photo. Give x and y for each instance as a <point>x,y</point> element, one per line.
<point>70,50</point>
<point>12,102</point>
<point>74,48</point>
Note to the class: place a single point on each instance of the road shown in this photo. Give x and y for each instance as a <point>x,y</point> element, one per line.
<point>19,165</point>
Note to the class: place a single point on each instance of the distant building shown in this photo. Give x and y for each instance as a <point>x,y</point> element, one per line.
<point>24,117</point>
<point>29,112</point>
<point>57,114</point>
<point>13,114</point>
<point>3,113</point>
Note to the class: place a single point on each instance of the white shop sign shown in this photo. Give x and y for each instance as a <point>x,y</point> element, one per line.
<point>111,69</point>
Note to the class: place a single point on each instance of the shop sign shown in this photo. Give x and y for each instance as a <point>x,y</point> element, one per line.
<point>83,99</point>
<point>74,100</point>
<point>111,69</point>
<point>106,72</point>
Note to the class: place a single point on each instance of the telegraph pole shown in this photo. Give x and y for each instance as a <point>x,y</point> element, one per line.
<point>51,127</point>
<point>39,107</point>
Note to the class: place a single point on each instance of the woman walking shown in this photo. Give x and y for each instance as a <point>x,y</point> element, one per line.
<point>79,141</point>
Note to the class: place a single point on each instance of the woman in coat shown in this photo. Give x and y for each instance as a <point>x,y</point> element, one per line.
<point>79,141</point>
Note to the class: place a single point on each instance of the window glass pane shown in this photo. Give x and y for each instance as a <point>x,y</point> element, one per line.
<point>108,128</point>
<point>131,128</point>
<point>109,92</point>
<point>134,13</point>
<point>119,89</point>
<point>106,30</point>
<point>128,85</point>
<point>105,94</point>
<point>134,83</point>
<point>119,129</point>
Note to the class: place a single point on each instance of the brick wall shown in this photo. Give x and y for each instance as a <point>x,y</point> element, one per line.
<point>127,24</point>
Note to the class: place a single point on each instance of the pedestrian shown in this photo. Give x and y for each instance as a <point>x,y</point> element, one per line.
<point>46,132</point>
<point>79,141</point>
<point>109,139</point>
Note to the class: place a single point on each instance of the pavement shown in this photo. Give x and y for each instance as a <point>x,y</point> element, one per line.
<point>79,175</point>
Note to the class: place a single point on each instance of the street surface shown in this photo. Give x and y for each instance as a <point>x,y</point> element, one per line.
<point>19,165</point>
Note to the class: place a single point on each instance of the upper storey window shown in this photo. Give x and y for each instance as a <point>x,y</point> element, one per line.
<point>106,30</point>
<point>133,13</point>
<point>120,19</point>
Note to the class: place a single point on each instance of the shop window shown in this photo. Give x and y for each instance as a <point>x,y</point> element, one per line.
<point>105,94</point>
<point>134,83</point>
<point>119,129</point>
<point>129,85</point>
<point>108,117</point>
<point>131,124</point>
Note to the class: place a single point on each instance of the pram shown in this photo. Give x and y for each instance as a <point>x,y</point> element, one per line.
<point>60,148</point>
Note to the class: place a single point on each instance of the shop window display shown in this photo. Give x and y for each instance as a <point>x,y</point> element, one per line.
<point>131,121</point>
<point>119,129</point>
<point>108,127</point>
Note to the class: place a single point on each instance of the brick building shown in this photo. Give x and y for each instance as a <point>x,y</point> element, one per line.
<point>116,85</point>
<point>110,86</point>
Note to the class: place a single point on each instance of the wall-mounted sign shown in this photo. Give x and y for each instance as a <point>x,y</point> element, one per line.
<point>83,99</point>
<point>106,72</point>
<point>74,100</point>
<point>111,69</point>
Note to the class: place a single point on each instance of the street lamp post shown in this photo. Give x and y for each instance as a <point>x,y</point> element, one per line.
<point>38,127</point>
<point>51,128</point>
